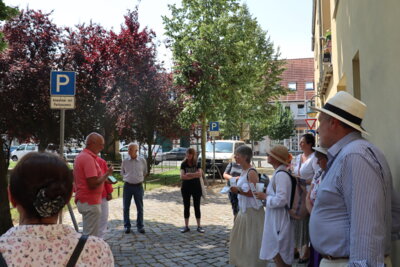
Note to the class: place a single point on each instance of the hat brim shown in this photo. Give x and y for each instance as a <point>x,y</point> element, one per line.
<point>277,158</point>
<point>330,113</point>
<point>320,150</point>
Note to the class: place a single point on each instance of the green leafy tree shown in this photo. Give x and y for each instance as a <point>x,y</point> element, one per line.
<point>142,97</point>
<point>224,61</point>
<point>6,13</point>
<point>250,104</point>
<point>281,125</point>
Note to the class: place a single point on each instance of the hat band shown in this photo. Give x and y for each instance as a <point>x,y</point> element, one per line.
<point>343,114</point>
<point>277,157</point>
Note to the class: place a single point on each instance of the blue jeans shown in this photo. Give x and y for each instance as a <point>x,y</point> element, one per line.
<point>137,192</point>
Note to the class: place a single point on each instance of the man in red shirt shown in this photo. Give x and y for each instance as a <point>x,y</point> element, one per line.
<point>89,183</point>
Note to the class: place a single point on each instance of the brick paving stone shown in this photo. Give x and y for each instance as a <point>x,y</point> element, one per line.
<point>163,244</point>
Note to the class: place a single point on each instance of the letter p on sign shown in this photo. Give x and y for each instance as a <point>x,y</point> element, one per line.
<point>62,83</point>
<point>214,126</point>
<point>59,82</point>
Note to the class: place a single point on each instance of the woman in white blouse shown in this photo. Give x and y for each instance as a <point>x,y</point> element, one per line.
<point>305,168</point>
<point>277,241</point>
<point>245,238</point>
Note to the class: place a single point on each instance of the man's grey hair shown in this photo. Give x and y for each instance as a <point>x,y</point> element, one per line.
<point>133,144</point>
<point>246,152</point>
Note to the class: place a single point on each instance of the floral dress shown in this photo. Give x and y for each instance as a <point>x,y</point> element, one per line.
<point>51,245</point>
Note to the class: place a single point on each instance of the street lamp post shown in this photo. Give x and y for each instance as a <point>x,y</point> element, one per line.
<point>310,103</point>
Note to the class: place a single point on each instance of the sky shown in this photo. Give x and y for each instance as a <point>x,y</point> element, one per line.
<point>287,22</point>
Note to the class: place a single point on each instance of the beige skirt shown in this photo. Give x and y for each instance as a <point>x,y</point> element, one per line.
<point>245,239</point>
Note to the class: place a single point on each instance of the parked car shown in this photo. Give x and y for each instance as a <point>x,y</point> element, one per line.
<point>71,154</point>
<point>177,153</point>
<point>224,152</point>
<point>22,150</point>
<point>5,150</point>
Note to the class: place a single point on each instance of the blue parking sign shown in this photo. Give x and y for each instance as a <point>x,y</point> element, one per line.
<point>62,83</point>
<point>214,126</point>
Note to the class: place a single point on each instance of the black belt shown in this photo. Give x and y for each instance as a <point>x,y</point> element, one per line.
<point>138,184</point>
<point>329,257</point>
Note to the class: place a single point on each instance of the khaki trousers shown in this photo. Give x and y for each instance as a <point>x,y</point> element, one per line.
<point>90,217</point>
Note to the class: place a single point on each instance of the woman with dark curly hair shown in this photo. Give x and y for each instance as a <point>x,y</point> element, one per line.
<point>305,168</point>
<point>40,186</point>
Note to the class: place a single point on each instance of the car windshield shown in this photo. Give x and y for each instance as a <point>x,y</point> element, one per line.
<point>220,147</point>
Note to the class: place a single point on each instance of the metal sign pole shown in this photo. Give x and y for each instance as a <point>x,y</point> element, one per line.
<point>71,212</point>
<point>62,96</point>
<point>213,160</point>
<point>62,130</point>
<point>62,126</point>
<point>61,149</point>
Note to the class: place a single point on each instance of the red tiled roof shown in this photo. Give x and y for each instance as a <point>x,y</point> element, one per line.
<point>300,71</point>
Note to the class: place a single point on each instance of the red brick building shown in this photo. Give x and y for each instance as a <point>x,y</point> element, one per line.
<point>299,79</point>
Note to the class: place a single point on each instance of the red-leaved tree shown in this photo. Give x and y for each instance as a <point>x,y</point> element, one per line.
<point>143,99</point>
<point>86,51</point>
<point>33,49</point>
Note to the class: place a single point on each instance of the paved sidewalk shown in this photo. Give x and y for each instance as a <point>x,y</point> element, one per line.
<point>163,244</point>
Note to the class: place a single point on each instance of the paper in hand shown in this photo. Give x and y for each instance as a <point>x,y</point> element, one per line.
<point>253,190</point>
<point>225,190</point>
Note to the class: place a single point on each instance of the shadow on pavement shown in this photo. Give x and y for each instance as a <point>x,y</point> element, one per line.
<point>164,245</point>
<point>166,195</point>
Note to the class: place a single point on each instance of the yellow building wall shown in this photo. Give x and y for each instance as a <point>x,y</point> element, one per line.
<point>370,29</point>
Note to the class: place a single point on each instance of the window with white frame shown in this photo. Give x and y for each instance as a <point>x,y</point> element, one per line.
<point>309,86</point>
<point>292,86</point>
<point>301,111</point>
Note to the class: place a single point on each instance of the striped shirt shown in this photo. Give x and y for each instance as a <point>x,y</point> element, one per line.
<point>133,171</point>
<point>352,213</point>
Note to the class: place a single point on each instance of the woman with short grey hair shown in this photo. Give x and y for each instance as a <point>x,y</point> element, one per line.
<point>246,235</point>
<point>246,152</point>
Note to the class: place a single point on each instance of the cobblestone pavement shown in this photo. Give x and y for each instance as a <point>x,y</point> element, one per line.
<point>163,244</point>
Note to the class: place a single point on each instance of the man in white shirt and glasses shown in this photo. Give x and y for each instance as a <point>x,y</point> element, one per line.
<point>133,171</point>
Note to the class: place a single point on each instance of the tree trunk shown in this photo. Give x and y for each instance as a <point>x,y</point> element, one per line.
<point>150,159</point>
<point>241,131</point>
<point>203,141</point>
<point>5,215</point>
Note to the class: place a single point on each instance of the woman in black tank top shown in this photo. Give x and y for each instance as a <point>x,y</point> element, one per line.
<point>191,187</point>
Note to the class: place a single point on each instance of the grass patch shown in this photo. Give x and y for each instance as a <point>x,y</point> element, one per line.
<point>171,177</point>
<point>12,164</point>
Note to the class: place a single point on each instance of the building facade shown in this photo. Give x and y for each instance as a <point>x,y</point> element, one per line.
<point>362,57</point>
<point>298,77</point>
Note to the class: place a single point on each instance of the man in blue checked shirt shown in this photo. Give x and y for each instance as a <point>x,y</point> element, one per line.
<point>351,221</point>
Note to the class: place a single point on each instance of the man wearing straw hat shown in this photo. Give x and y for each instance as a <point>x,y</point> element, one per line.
<point>350,223</point>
